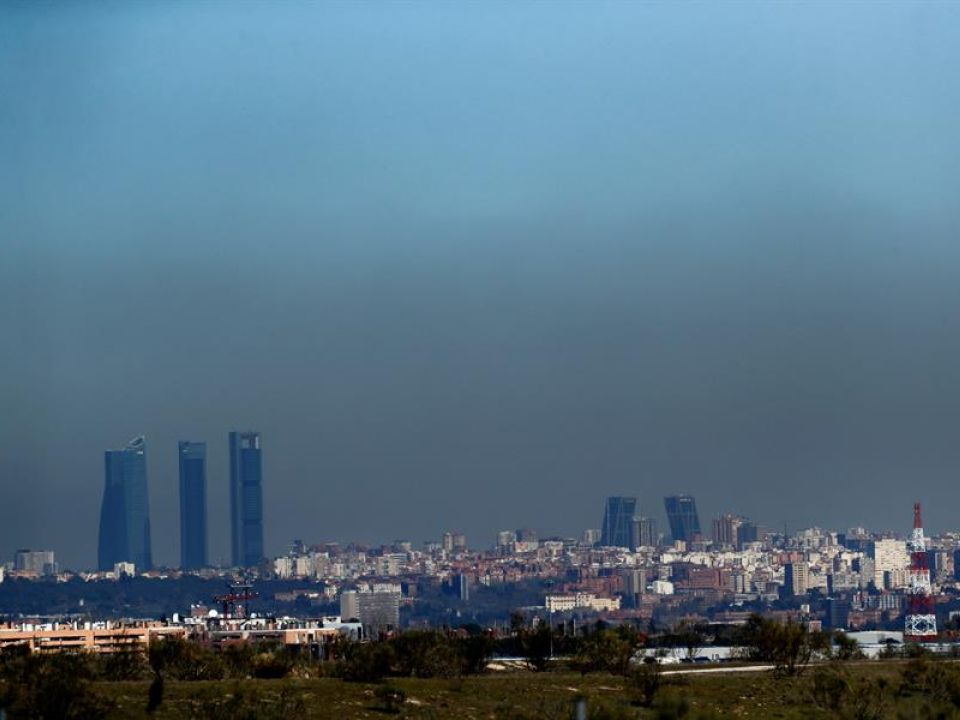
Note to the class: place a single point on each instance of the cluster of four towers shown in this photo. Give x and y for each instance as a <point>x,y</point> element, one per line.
<point>125,511</point>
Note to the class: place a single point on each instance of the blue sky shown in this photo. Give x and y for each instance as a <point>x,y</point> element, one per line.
<point>477,265</point>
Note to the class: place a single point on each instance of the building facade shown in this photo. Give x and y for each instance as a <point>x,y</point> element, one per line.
<point>726,531</point>
<point>617,518</point>
<point>125,511</point>
<point>683,518</point>
<point>193,504</point>
<point>644,533</point>
<point>796,579</point>
<point>246,499</point>
<point>38,562</point>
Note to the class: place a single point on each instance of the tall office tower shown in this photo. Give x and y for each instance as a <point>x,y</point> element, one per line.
<point>796,579</point>
<point>246,499</point>
<point>643,532</point>
<point>125,512</point>
<point>193,504</point>
<point>617,516</point>
<point>682,516</point>
<point>726,530</point>
<point>748,532</point>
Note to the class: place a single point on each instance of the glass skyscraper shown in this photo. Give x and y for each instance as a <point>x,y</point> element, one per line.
<point>683,518</point>
<point>125,512</point>
<point>617,519</point>
<point>193,504</point>
<point>246,499</point>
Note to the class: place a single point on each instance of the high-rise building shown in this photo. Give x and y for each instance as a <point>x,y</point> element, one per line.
<point>617,516</point>
<point>726,530</point>
<point>193,504</point>
<point>41,562</point>
<point>796,579</point>
<point>125,512</point>
<point>683,518</point>
<point>643,532</point>
<point>748,532</point>
<point>527,535</point>
<point>890,562</point>
<point>246,499</point>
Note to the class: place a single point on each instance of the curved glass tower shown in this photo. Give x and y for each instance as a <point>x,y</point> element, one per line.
<point>125,512</point>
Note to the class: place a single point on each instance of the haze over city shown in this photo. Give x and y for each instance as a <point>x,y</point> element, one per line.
<point>480,266</point>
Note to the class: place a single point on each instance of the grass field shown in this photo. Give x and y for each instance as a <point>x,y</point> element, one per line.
<point>550,695</point>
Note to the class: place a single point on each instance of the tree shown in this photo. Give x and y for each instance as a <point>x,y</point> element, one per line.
<point>536,646</point>
<point>426,653</point>
<point>365,662</point>
<point>53,687</point>
<point>789,646</point>
<point>691,637</point>
<point>179,659</point>
<point>608,650</point>
<point>645,681</point>
<point>845,647</point>
<point>476,652</point>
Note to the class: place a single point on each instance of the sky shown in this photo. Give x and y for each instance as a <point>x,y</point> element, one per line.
<point>475,266</point>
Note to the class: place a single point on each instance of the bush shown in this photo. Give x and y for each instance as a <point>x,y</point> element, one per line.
<point>391,698</point>
<point>53,687</point>
<point>536,646</point>
<point>936,680</point>
<point>607,651</point>
<point>829,688</point>
<point>365,662</point>
<point>476,652</point>
<point>790,646</point>
<point>248,704</point>
<point>273,665</point>
<point>426,654</point>
<point>845,647</point>
<point>179,659</point>
<point>123,666</point>
<point>645,682</point>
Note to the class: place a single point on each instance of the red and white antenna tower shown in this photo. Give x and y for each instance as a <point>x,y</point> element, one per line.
<point>921,622</point>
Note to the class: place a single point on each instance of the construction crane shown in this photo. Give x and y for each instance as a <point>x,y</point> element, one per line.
<point>234,603</point>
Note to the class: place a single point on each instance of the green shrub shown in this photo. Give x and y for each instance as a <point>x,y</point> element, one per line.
<point>391,698</point>
<point>178,659</point>
<point>53,687</point>
<point>365,662</point>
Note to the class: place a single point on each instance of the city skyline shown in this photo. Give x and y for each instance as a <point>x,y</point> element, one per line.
<point>479,268</point>
<point>125,503</point>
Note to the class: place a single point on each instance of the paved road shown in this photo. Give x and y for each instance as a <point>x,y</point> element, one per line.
<point>733,669</point>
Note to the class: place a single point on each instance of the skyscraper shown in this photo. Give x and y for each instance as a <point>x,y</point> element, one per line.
<point>726,530</point>
<point>246,499</point>
<point>125,512</point>
<point>682,516</point>
<point>193,504</point>
<point>795,578</point>
<point>617,517</point>
<point>643,532</point>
